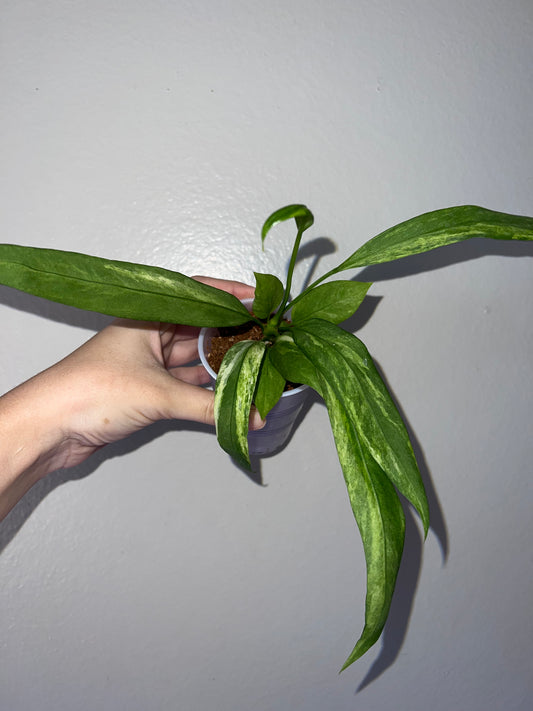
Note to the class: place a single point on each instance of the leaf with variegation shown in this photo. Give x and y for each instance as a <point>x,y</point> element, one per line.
<point>374,501</point>
<point>234,391</point>
<point>439,228</point>
<point>344,361</point>
<point>115,288</point>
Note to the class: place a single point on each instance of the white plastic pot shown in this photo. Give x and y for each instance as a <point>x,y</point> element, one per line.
<point>280,419</point>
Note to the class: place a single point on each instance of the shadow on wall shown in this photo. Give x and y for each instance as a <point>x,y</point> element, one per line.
<point>59,313</point>
<point>21,512</point>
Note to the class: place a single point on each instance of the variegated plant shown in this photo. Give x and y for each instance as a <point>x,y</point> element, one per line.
<point>373,446</point>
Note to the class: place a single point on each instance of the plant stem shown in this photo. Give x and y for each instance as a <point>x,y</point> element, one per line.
<point>309,288</point>
<point>286,293</point>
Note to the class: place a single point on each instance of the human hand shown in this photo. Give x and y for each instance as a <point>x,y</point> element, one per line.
<point>133,374</point>
<point>124,378</point>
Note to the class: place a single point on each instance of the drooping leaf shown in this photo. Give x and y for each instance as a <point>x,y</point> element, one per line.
<point>270,386</point>
<point>117,288</point>
<point>379,517</point>
<point>302,215</point>
<point>374,501</point>
<point>342,356</point>
<point>437,229</point>
<point>381,521</point>
<point>234,391</point>
<point>268,294</point>
<point>335,301</point>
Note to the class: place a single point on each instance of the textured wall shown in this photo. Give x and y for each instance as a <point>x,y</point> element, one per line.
<point>159,576</point>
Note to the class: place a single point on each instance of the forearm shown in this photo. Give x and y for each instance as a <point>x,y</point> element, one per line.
<point>31,439</point>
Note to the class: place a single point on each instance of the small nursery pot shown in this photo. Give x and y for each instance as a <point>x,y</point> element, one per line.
<point>280,419</point>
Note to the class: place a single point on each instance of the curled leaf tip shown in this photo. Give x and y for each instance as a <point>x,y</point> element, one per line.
<point>301,213</point>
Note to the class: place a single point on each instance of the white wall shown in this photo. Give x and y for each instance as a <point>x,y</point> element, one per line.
<point>159,576</point>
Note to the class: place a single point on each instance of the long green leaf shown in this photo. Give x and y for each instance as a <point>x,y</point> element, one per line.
<point>341,355</point>
<point>335,301</point>
<point>234,392</point>
<point>117,288</point>
<point>381,521</point>
<point>374,501</point>
<point>437,229</point>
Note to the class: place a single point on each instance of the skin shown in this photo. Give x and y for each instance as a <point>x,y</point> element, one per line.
<point>124,378</point>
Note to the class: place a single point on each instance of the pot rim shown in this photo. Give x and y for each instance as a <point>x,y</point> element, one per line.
<point>207,331</point>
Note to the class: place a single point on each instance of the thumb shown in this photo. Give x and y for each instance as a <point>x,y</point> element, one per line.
<point>194,403</point>
<point>190,402</point>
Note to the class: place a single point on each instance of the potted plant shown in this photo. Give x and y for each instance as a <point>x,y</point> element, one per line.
<point>213,345</point>
<point>308,348</point>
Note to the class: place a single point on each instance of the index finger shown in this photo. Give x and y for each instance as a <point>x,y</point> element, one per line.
<point>237,288</point>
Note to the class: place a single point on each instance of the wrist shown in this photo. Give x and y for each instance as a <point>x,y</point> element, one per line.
<point>32,438</point>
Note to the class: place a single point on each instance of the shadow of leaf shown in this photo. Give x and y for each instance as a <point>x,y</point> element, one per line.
<point>51,310</point>
<point>316,248</point>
